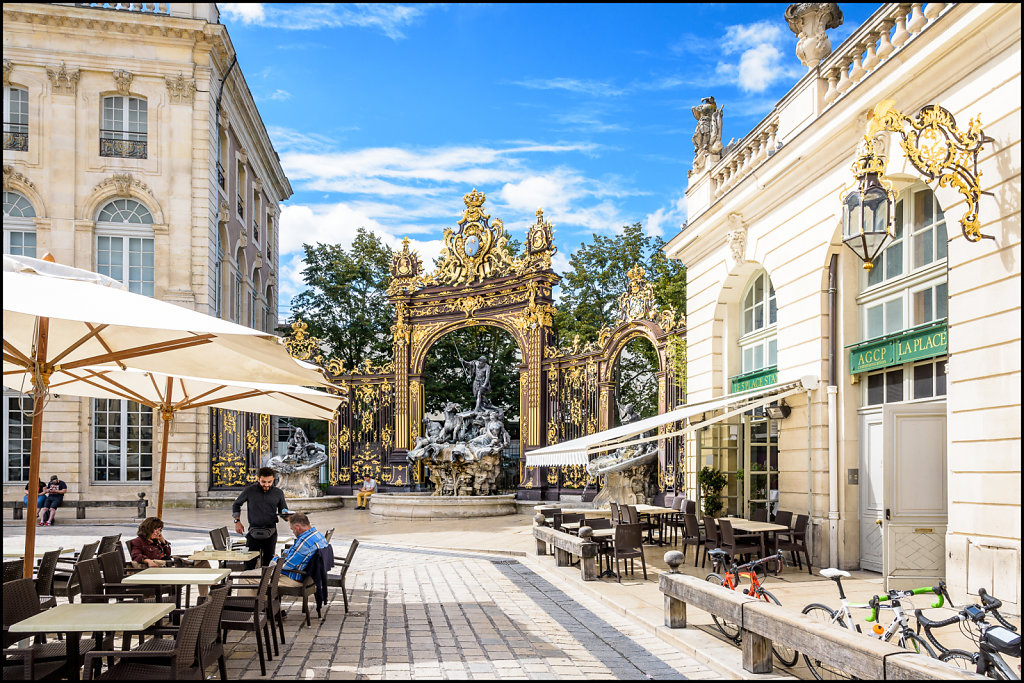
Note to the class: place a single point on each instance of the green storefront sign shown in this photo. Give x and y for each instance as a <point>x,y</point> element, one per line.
<point>926,341</point>
<point>754,380</point>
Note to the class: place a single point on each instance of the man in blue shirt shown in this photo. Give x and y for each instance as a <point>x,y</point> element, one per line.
<point>296,558</point>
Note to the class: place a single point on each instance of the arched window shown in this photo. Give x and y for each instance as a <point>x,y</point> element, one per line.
<point>268,315</point>
<point>15,119</point>
<point>236,311</point>
<point>758,346</point>
<point>124,245</point>
<point>254,300</point>
<point>19,229</point>
<point>124,127</point>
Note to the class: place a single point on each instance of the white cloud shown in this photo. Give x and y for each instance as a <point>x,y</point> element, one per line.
<point>280,95</point>
<point>582,86</point>
<point>760,62</point>
<point>667,219</point>
<point>389,19</point>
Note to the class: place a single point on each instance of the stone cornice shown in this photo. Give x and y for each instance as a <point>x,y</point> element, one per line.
<point>86,18</point>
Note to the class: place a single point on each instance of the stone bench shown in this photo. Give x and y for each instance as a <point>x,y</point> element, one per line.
<point>565,546</point>
<point>762,623</point>
<point>140,505</point>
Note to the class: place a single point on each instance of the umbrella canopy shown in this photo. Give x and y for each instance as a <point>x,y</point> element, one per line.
<point>170,394</point>
<point>60,319</point>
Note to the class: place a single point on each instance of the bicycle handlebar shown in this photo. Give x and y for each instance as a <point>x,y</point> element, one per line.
<point>992,604</point>
<point>895,595</point>
<point>929,623</point>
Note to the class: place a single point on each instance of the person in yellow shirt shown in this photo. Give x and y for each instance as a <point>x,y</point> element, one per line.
<point>363,495</point>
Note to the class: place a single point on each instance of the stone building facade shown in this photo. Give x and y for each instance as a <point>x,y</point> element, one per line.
<point>133,146</point>
<point>907,455</point>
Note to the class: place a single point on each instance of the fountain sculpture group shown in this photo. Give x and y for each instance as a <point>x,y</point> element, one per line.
<point>627,470</point>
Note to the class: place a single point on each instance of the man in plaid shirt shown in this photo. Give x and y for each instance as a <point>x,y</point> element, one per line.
<point>296,558</point>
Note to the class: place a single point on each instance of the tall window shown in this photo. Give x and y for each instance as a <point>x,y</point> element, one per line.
<point>122,433</point>
<point>240,190</point>
<point>254,301</point>
<point>758,345</point>
<point>124,245</point>
<point>19,229</point>
<point>218,277</point>
<point>268,318</point>
<point>17,436</point>
<point>15,119</point>
<point>256,218</point>
<point>124,128</point>
<point>236,312</point>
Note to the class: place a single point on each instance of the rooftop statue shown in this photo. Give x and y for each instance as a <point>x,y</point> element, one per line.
<point>708,136</point>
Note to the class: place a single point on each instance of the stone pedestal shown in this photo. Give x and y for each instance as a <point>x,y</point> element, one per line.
<point>305,484</point>
<point>427,506</point>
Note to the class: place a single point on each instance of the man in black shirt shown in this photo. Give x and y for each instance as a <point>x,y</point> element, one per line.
<point>265,501</point>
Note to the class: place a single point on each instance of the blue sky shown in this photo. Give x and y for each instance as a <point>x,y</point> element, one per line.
<point>386,115</point>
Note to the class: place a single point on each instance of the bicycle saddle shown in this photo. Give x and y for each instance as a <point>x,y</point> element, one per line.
<point>832,573</point>
<point>718,552</point>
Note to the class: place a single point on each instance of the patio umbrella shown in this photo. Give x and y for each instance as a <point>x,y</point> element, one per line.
<point>169,394</point>
<point>58,318</point>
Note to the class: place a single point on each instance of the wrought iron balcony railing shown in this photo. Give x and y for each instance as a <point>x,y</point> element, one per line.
<point>16,137</point>
<point>255,230</point>
<point>114,144</point>
<point>220,175</point>
<point>241,209</point>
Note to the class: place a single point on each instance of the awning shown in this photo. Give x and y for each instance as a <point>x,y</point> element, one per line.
<point>578,451</point>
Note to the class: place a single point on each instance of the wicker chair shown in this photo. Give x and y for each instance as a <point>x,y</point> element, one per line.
<point>65,578</point>
<point>274,612</point>
<point>737,545</point>
<point>44,578</point>
<point>180,663</point>
<point>211,647</point>
<point>114,573</point>
<point>627,544</point>
<point>759,514</point>
<point>674,522</point>
<point>22,602</point>
<point>616,513</point>
<point>95,589</point>
<point>691,536</point>
<point>250,614</point>
<point>570,518</point>
<point>344,566</point>
<point>631,516</point>
<point>108,544</point>
<point>13,570</point>
<point>21,664</point>
<point>797,542</point>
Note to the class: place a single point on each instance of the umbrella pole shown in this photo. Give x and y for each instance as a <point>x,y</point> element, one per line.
<point>39,382</point>
<point>167,413</point>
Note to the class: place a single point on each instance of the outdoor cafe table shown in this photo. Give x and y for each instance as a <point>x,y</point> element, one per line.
<point>224,555</point>
<point>642,509</point>
<point>176,576</point>
<point>11,551</point>
<point>78,618</point>
<point>752,527</point>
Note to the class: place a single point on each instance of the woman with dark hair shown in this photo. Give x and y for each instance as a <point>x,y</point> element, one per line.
<point>150,549</point>
<point>40,495</point>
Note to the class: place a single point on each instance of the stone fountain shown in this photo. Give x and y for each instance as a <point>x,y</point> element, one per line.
<point>299,475</point>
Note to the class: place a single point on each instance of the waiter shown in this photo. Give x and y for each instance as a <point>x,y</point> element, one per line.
<point>265,501</point>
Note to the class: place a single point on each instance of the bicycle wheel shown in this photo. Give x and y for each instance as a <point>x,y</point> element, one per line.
<point>786,655</point>
<point>728,629</point>
<point>915,643</point>
<point>820,670</point>
<point>961,659</point>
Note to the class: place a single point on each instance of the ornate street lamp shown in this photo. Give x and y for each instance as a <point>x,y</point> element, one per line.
<point>935,147</point>
<point>867,209</point>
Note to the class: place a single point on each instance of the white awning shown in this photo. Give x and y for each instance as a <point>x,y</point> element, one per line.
<point>578,451</point>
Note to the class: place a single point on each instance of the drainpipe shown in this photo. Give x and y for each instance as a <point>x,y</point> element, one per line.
<point>810,482</point>
<point>833,422</point>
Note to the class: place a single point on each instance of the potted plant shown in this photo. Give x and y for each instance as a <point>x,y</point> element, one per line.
<point>711,482</point>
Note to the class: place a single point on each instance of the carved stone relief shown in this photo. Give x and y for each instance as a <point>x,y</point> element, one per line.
<point>181,89</point>
<point>123,79</point>
<point>64,82</point>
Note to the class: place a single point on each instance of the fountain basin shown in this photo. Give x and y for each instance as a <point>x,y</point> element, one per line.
<point>428,506</point>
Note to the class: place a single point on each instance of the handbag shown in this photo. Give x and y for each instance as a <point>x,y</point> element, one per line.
<point>260,533</point>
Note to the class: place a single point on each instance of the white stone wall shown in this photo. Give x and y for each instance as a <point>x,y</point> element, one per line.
<point>969,62</point>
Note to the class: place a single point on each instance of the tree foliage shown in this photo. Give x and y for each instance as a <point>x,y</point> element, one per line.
<point>345,301</point>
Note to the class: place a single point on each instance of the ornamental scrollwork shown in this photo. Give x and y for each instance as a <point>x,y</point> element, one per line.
<point>302,346</point>
<point>937,148</point>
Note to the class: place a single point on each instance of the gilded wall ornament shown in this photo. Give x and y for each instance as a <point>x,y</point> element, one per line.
<point>182,90</point>
<point>63,82</point>
<point>301,345</point>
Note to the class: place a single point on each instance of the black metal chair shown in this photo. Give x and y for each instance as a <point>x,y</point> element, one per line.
<point>627,544</point>
<point>797,542</point>
<point>344,565</point>
<point>691,536</point>
<point>249,613</point>
<point>739,545</point>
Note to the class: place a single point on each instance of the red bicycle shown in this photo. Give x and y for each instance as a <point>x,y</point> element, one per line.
<point>731,580</point>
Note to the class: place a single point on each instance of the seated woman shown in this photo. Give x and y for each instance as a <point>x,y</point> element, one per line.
<point>150,549</point>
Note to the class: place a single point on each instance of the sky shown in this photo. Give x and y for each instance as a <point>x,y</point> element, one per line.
<point>384,116</point>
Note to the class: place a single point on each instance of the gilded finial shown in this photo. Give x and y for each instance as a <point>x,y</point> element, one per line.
<point>474,199</point>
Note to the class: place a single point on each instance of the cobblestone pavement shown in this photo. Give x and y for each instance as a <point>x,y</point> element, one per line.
<point>438,614</point>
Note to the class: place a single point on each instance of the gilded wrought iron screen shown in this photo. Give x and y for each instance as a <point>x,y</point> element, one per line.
<point>238,443</point>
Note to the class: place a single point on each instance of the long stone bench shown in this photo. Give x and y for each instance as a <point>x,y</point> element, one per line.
<point>567,545</point>
<point>80,506</point>
<point>761,624</point>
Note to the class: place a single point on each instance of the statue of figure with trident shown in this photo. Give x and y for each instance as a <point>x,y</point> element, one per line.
<point>480,372</point>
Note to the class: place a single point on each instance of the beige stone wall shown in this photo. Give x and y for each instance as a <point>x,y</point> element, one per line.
<point>68,182</point>
<point>788,210</point>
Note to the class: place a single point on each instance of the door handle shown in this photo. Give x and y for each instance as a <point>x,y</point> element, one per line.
<point>878,522</point>
<point>887,517</point>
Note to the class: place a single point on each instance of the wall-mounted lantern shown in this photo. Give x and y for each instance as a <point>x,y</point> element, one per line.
<point>867,209</point>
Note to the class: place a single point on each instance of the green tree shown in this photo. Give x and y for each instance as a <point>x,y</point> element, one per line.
<point>445,380</point>
<point>345,301</point>
<point>598,277</point>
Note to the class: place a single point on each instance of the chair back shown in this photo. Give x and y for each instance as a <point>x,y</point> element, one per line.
<point>725,528</point>
<point>112,567</point>
<point>108,544</point>
<point>273,589</point>
<point>187,641</point>
<point>264,589</point>
<point>89,578</point>
<point>691,525</point>
<point>760,514</point>
<point>219,538</point>
<point>120,552</point>
<point>784,517</point>
<point>20,602</point>
<point>711,534</point>
<point>44,575</point>
<point>799,527</point>
<point>13,570</point>
<point>616,514</point>
<point>572,518</point>
<point>347,562</point>
<point>88,551</point>
<point>628,536</point>
<point>209,631</point>
<point>327,536</point>
<point>598,523</point>
<point>677,504</point>
<point>631,516</point>
<point>556,520</point>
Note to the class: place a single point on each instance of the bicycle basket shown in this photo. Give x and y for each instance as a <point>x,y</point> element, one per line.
<point>1004,640</point>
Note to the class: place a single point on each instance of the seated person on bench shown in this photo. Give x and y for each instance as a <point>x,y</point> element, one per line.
<point>55,491</point>
<point>296,559</point>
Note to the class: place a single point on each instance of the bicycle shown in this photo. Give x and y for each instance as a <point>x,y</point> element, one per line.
<point>787,656</point>
<point>991,640</point>
<point>843,617</point>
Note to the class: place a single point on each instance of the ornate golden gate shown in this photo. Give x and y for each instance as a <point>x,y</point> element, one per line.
<point>565,391</point>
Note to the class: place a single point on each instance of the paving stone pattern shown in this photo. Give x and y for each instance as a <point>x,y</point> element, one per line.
<point>453,615</point>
